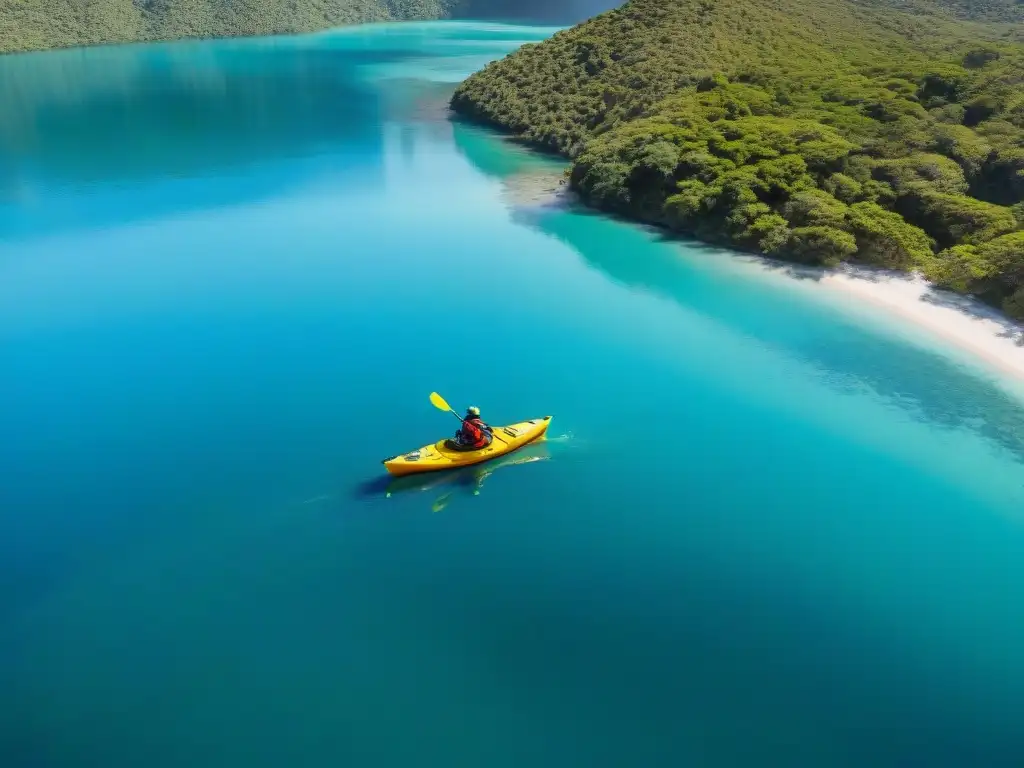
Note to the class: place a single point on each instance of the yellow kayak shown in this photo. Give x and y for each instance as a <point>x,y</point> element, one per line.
<point>438,456</point>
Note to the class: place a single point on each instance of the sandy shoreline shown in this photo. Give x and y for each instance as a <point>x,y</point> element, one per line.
<point>961,322</point>
<point>954,323</point>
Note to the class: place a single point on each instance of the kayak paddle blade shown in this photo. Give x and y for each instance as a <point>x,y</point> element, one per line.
<point>439,402</point>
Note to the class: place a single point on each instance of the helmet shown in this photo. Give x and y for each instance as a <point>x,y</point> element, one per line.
<point>473,410</point>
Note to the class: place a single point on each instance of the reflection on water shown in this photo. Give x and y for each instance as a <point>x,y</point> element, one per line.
<point>147,112</point>
<point>116,126</point>
<point>103,136</point>
<point>443,487</point>
<point>167,114</point>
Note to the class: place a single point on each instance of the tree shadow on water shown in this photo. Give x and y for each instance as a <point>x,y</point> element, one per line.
<point>977,311</point>
<point>107,118</point>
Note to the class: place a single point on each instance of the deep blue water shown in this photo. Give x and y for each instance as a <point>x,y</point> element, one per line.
<point>764,532</point>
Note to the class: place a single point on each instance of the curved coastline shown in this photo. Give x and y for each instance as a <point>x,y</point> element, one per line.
<point>832,152</point>
<point>960,326</point>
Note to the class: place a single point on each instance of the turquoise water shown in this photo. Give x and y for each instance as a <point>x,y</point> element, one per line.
<point>763,532</point>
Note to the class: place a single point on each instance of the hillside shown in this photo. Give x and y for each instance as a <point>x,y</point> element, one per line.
<point>37,24</point>
<point>40,24</point>
<point>811,130</point>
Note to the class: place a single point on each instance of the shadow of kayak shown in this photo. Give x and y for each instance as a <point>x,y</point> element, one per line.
<point>448,484</point>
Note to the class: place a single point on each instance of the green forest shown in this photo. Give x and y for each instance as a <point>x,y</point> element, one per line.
<point>38,24</point>
<point>27,25</point>
<point>815,131</point>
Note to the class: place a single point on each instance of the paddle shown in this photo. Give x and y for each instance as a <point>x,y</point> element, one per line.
<point>442,405</point>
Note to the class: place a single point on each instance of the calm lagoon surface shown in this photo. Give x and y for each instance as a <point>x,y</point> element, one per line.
<point>763,532</point>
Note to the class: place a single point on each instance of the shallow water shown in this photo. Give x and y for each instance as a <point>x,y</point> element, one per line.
<point>230,274</point>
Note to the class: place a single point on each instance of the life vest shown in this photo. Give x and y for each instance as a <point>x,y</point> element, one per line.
<point>475,433</point>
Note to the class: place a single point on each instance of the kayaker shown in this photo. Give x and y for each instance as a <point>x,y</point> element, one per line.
<point>474,433</point>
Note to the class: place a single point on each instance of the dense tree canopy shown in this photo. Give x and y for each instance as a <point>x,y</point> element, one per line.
<point>813,130</point>
<point>35,24</point>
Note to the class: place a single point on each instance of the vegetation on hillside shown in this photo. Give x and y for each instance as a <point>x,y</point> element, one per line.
<point>819,131</point>
<point>40,24</point>
<point>37,24</point>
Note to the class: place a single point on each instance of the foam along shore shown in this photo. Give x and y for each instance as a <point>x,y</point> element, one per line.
<point>962,323</point>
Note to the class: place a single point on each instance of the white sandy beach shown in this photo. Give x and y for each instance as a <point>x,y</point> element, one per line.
<point>963,323</point>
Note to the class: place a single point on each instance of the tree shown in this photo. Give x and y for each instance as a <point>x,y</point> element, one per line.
<point>885,239</point>
<point>821,245</point>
